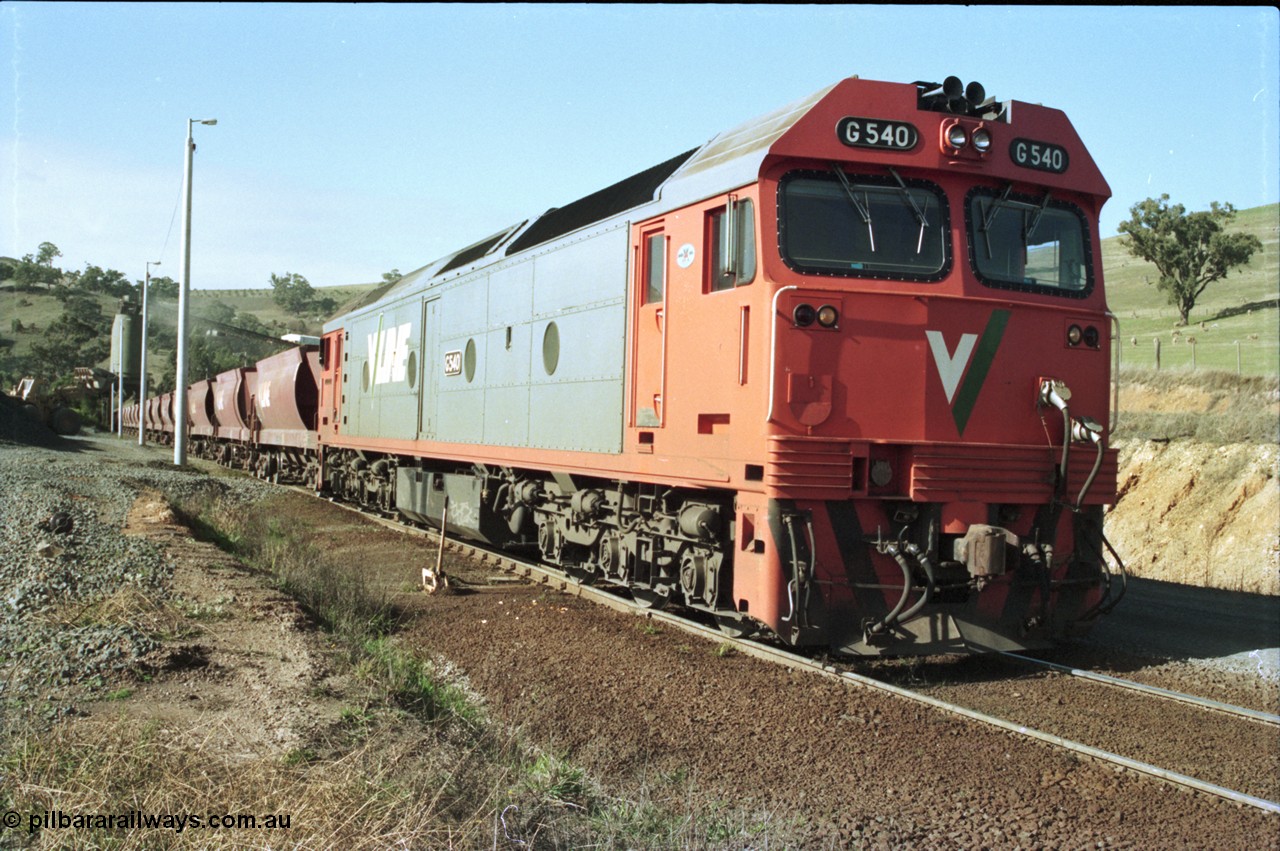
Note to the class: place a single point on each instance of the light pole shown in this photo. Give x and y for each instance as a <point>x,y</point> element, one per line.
<point>180,391</point>
<point>142,362</point>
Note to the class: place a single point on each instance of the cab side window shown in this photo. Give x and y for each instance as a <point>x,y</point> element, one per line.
<point>732,250</point>
<point>655,269</point>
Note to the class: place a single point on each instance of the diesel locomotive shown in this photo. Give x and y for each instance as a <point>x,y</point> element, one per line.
<point>840,377</point>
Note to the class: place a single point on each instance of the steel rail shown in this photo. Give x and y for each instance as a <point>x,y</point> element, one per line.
<point>1155,691</point>
<point>795,661</point>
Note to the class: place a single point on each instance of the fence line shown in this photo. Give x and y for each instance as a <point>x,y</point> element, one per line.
<point>1253,354</point>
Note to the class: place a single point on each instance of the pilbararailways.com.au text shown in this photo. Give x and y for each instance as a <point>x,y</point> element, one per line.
<point>138,820</point>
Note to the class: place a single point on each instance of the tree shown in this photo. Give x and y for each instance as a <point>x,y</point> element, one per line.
<point>1190,250</point>
<point>391,277</point>
<point>324,306</point>
<point>162,286</point>
<point>107,281</point>
<point>45,252</point>
<point>292,292</point>
<point>30,272</point>
<point>81,336</point>
<point>252,323</point>
<point>221,312</point>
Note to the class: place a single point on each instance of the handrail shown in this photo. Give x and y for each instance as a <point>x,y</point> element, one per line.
<point>773,350</point>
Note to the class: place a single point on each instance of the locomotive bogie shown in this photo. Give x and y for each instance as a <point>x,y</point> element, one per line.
<point>656,541</point>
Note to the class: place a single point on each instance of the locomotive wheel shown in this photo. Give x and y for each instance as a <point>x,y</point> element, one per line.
<point>650,598</point>
<point>734,626</point>
<point>583,574</point>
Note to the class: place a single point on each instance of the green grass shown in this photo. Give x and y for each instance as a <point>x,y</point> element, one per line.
<point>413,685</point>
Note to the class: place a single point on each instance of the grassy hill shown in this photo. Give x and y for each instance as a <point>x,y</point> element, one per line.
<point>35,311</point>
<point>260,303</point>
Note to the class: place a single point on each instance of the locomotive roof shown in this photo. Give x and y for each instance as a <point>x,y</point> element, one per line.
<point>728,160</point>
<point>731,159</point>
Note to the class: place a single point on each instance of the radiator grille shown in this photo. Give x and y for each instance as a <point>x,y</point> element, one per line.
<point>817,467</point>
<point>825,468</point>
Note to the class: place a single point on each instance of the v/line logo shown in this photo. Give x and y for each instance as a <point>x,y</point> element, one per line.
<point>962,388</point>
<point>389,354</point>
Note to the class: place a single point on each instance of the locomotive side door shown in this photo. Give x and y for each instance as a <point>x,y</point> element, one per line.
<point>331,388</point>
<point>649,334</point>
<point>430,383</point>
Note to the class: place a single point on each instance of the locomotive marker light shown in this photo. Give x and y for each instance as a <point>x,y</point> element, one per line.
<point>184,297</point>
<point>142,363</point>
<point>981,140</point>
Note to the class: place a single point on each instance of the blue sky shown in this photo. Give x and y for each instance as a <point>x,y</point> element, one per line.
<point>353,139</point>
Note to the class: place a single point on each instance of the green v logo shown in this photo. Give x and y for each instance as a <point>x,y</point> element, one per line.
<point>962,396</point>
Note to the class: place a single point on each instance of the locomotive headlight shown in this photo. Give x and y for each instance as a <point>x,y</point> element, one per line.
<point>804,315</point>
<point>828,316</point>
<point>1074,335</point>
<point>1091,337</point>
<point>981,140</point>
<point>956,137</point>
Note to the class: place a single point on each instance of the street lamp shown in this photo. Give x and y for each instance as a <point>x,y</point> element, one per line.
<point>180,391</point>
<point>142,363</point>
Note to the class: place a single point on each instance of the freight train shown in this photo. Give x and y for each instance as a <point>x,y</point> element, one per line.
<point>840,377</point>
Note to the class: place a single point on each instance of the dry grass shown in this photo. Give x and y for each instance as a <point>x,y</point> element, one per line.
<point>130,606</point>
<point>393,790</point>
<point>1233,409</point>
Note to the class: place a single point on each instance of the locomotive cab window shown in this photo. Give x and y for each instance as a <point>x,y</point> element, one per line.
<point>731,250</point>
<point>833,223</point>
<point>655,268</point>
<point>1034,244</point>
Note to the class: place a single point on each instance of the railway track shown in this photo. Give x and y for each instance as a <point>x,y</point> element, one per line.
<point>1153,691</point>
<point>539,575</point>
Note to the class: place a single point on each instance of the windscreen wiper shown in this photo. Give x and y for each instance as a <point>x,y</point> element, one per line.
<point>990,216</point>
<point>1035,220</point>
<point>864,209</point>
<point>911,202</point>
